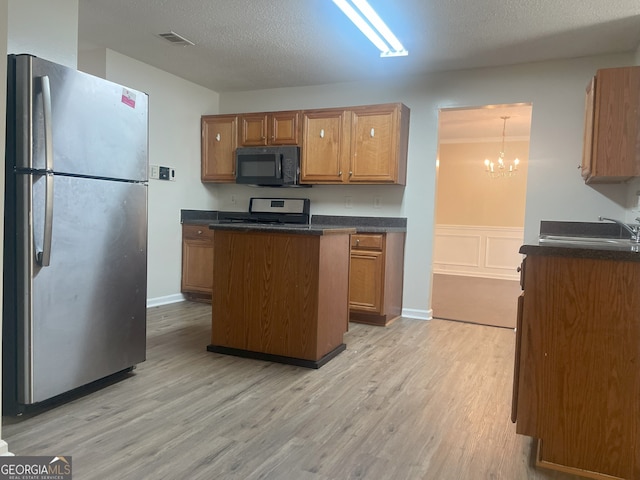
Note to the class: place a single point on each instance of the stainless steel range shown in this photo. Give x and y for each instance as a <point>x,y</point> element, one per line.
<point>271,210</point>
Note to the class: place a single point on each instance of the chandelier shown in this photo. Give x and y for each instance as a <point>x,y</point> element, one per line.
<point>500,168</point>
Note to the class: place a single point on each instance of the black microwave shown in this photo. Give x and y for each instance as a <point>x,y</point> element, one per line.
<point>268,166</point>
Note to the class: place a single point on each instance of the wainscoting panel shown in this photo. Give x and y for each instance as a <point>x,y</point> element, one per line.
<point>459,250</point>
<point>477,251</point>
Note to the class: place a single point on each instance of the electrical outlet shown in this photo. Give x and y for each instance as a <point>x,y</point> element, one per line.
<point>376,202</point>
<point>167,173</point>
<point>348,202</point>
<point>154,172</point>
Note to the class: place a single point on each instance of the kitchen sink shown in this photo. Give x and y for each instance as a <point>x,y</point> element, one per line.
<point>587,241</point>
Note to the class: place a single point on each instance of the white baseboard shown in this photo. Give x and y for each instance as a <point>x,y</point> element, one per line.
<point>4,449</point>
<point>406,312</point>
<point>166,300</point>
<point>494,276</point>
<point>417,314</point>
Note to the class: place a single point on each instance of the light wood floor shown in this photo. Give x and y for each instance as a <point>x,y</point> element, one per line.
<point>488,301</point>
<point>415,400</point>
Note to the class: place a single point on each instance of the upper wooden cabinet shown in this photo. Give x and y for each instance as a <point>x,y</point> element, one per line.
<point>355,145</point>
<point>325,146</point>
<point>612,126</point>
<point>379,136</point>
<point>219,141</point>
<point>275,128</point>
<point>366,144</point>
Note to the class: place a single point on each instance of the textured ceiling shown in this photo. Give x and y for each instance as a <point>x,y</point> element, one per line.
<point>256,44</point>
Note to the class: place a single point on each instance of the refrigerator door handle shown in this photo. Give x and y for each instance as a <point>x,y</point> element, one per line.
<point>46,113</point>
<point>44,257</point>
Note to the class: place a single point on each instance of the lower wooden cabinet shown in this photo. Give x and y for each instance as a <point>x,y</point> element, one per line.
<point>576,378</point>
<point>197,262</point>
<point>375,277</point>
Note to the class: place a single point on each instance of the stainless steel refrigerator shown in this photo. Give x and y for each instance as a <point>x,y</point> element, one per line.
<point>75,244</point>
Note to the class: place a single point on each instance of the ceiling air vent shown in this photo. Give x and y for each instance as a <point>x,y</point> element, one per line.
<point>175,39</point>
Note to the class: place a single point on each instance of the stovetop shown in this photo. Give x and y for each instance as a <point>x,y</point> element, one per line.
<point>271,211</point>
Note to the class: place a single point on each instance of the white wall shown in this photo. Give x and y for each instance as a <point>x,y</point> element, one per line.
<point>466,195</point>
<point>555,190</point>
<point>175,107</point>
<point>47,30</point>
<point>93,61</point>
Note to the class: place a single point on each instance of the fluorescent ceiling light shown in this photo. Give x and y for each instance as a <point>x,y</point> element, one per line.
<point>366,20</point>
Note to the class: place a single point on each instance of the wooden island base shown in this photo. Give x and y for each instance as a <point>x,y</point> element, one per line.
<point>280,295</point>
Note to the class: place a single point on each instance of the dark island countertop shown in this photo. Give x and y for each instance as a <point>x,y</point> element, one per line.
<point>288,228</point>
<point>320,224</point>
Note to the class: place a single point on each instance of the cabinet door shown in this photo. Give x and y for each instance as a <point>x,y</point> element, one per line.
<point>325,146</point>
<point>373,140</point>
<point>587,145</point>
<point>253,130</point>
<point>615,153</point>
<point>365,281</point>
<point>516,362</point>
<point>219,141</point>
<point>197,260</point>
<point>284,128</point>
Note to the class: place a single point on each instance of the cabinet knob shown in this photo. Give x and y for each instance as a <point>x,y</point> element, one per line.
<point>340,173</point>
<point>357,241</point>
<point>373,133</point>
<point>519,269</point>
<point>322,133</point>
<point>199,232</point>
<point>217,137</point>
<point>350,173</point>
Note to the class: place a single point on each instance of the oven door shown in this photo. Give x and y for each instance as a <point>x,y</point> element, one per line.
<point>258,167</point>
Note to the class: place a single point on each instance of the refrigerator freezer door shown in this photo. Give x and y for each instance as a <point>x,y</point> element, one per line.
<point>99,128</point>
<point>86,311</point>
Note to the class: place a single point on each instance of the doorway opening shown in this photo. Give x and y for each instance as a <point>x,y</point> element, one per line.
<point>479,212</point>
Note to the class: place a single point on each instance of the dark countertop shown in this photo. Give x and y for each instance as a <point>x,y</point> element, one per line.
<point>324,223</point>
<point>599,252</point>
<point>363,224</point>
<point>198,217</point>
<point>628,252</point>
<point>282,228</point>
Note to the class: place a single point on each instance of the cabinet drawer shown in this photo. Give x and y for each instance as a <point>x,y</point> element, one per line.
<point>197,232</point>
<point>367,241</point>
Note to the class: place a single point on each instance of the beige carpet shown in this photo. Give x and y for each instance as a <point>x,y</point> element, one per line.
<point>477,300</point>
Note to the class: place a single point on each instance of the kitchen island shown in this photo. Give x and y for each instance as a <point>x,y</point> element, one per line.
<point>280,292</point>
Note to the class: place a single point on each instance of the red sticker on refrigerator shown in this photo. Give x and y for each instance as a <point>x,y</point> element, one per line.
<point>129,98</point>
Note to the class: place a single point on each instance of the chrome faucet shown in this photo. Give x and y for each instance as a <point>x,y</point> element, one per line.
<point>634,230</point>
